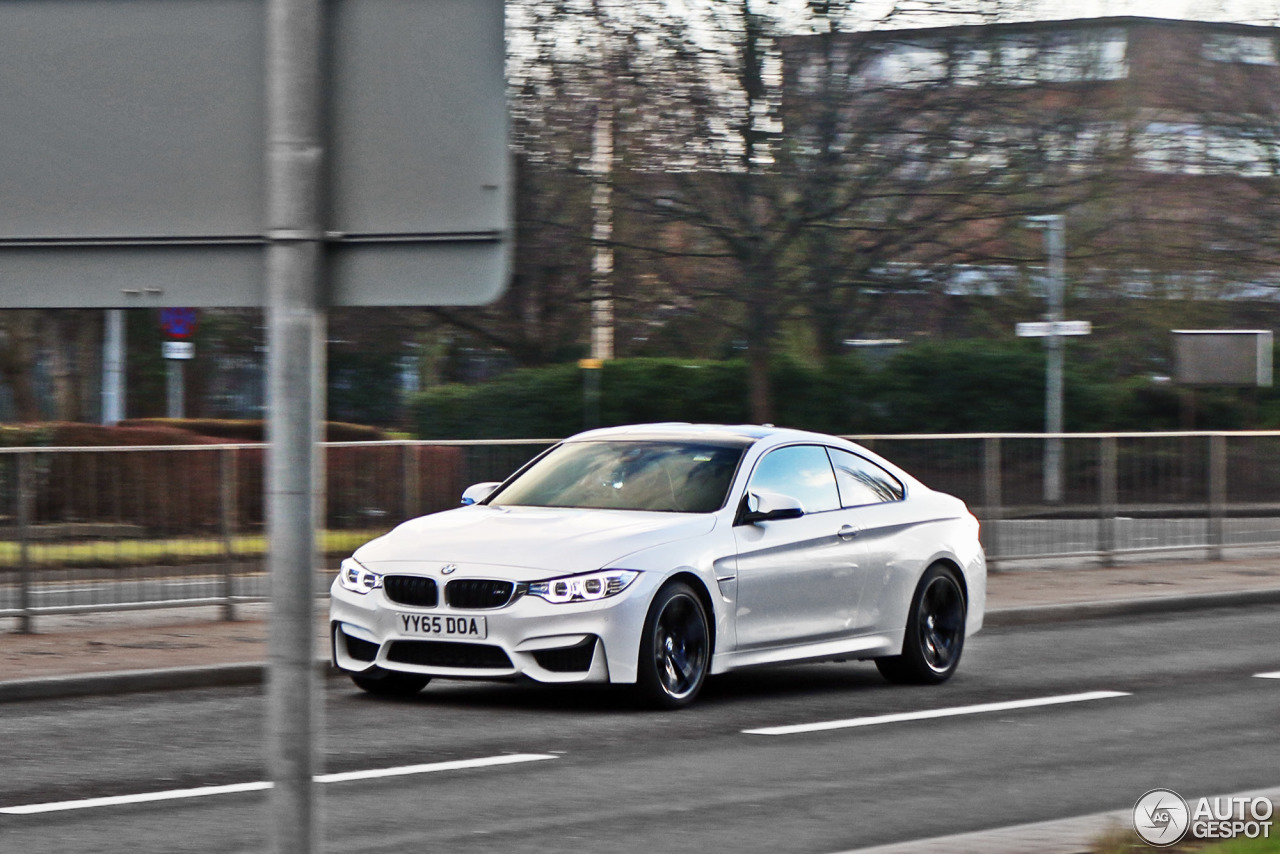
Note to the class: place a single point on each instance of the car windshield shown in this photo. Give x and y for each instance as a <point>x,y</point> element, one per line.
<point>671,477</point>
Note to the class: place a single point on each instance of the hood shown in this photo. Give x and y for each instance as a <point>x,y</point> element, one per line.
<point>540,540</point>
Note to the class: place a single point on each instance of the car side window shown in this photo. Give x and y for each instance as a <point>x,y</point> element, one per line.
<point>863,482</point>
<point>801,471</point>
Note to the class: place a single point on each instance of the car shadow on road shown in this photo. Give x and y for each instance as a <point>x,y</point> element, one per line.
<point>790,682</point>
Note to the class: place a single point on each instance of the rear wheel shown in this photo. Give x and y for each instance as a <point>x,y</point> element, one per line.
<point>675,649</point>
<point>935,631</point>
<point>388,683</point>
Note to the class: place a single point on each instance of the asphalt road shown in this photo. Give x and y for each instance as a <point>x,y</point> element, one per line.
<point>1193,717</point>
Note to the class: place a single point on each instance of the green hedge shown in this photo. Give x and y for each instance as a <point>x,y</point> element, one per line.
<point>933,387</point>
<point>549,402</point>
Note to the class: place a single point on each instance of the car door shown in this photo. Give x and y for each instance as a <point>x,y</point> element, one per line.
<point>873,500</point>
<point>798,579</point>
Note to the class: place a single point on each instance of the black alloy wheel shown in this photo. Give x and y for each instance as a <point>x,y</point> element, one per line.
<point>675,650</point>
<point>935,631</point>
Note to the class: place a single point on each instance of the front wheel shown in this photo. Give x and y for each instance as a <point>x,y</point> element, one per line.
<point>935,632</point>
<point>389,683</point>
<point>675,649</point>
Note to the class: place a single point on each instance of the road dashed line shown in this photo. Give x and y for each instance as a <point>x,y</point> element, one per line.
<point>930,714</point>
<point>262,785</point>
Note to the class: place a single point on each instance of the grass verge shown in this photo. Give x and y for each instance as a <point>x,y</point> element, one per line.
<point>164,551</point>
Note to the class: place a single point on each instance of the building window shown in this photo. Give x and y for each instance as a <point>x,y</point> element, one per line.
<point>1010,60</point>
<point>1250,50</point>
<point>1192,149</point>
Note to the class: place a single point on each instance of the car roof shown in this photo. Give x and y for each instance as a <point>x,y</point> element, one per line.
<point>739,434</point>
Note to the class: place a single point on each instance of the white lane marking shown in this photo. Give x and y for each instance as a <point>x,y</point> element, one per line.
<point>204,791</point>
<point>937,713</point>
<point>456,765</point>
<point>145,797</point>
<point>1275,675</point>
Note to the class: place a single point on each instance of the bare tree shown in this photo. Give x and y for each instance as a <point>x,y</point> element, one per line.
<point>18,344</point>
<point>777,168</point>
<point>808,171</point>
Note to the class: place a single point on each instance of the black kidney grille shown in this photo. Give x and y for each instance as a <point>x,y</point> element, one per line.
<point>478,593</point>
<point>411,590</point>
<point>473,656</point>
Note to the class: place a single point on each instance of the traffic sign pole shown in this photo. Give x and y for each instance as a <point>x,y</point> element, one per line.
<point>1055,244</point>
<point>295,376</point>
<point>174,383</point>
<point>1054,380</point>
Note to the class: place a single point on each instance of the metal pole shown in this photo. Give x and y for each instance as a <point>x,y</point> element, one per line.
<point>1108,499</point>
<point>25,461</point>
<point>992,498</point>
<point>295,372</point>
<point>1054,226</point>
<point>1055,240</point>
<point>228,481</point>
<point>113,368</point>
<point>412,474</point>
<point>1217,494</point>
<point>174,388</point>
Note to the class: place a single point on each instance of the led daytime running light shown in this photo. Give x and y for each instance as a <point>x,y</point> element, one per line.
<point>583,588</point>
<point>357,579</point>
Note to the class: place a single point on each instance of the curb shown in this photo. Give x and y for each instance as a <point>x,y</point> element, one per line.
<point>130,681</point>
<point>138,681</point>
<point>234,675</point>
<point>1034,614</point>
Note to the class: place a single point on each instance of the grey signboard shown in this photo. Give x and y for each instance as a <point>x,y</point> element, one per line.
<point>133,152</point>
<point>1223,357</point>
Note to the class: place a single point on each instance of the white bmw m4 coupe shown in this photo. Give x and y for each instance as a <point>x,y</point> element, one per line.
<point>658,555</point>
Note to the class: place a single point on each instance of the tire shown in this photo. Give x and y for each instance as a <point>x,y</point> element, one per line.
<point>675,649</point>
<point>388,683</point>
<point>935,632</point>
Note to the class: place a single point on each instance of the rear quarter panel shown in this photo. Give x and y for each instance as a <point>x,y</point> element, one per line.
<point>903,539</point>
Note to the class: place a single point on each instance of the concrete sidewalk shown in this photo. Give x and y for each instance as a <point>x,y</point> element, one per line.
<point>152,650</point>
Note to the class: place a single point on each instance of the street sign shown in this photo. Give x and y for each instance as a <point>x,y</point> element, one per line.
<point>184,350</point>
<point>1061,327</point>
<point>134,166</point>
<point>179,322</point>
<point>1223,357</point>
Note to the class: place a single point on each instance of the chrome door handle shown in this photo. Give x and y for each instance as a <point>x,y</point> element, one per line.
<point>848,532</point>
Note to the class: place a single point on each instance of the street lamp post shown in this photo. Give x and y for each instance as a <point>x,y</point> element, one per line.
<point>1054,227</point>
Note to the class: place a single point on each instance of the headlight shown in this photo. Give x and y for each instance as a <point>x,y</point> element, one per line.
<point>583,588</point>
<point>356,578</point>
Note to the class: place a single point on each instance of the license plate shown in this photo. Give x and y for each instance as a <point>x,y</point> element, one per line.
<point>438,626</point>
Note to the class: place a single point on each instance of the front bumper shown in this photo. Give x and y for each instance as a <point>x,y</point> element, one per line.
<point>581,642</point>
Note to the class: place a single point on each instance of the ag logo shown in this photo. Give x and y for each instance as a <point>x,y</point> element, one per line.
<point>1161,817</point>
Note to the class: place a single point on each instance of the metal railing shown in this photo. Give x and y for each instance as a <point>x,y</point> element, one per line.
<point>1123,494</point>
<point>87,530</point>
